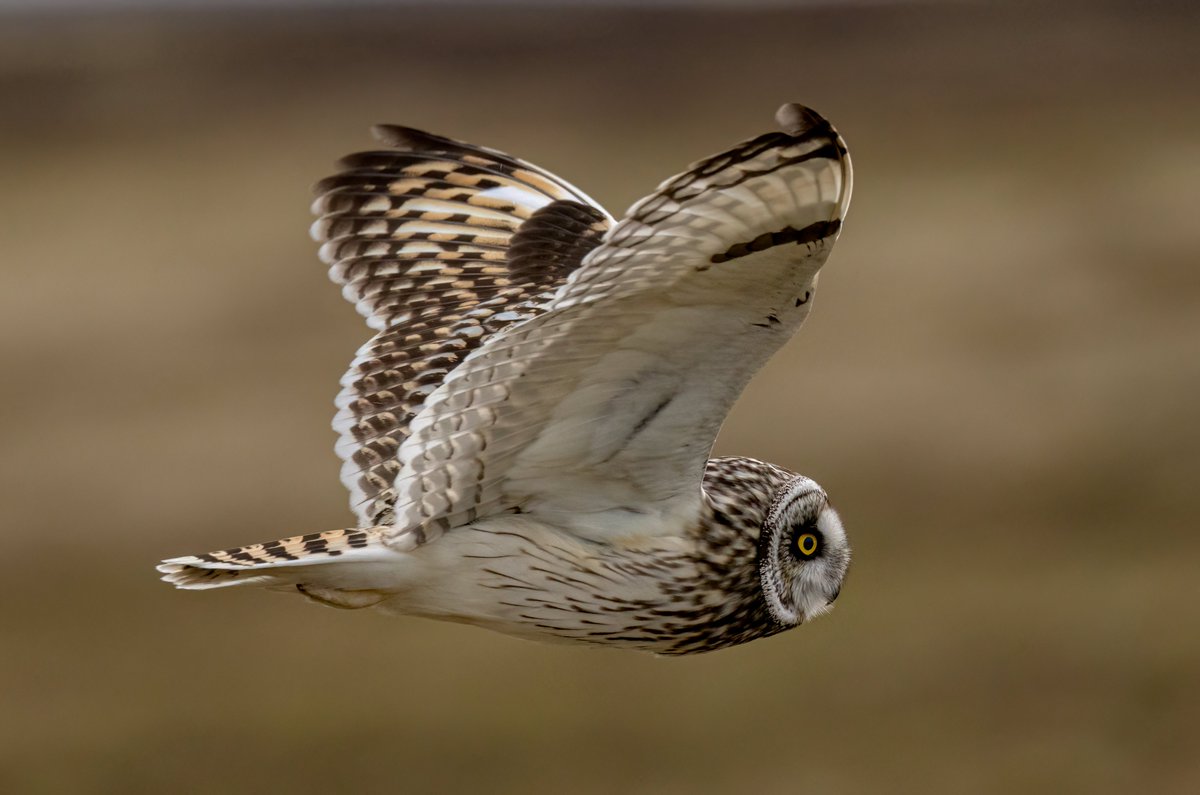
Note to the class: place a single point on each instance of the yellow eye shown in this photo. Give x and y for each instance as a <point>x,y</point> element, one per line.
<point>807,544</point>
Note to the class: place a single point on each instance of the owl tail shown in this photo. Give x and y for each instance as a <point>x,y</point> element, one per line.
<point>342,568</point>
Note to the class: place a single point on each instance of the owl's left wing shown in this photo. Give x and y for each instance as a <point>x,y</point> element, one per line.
<point>440,244</point>
<point>599,413</point>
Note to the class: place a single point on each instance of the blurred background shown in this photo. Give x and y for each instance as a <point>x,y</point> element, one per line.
<point>999,387</point>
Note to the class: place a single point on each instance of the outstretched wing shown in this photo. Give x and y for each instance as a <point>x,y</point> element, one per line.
<point>439,244</point>
<point>598,412</point>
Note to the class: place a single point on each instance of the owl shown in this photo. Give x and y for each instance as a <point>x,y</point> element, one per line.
<point>526,436</point>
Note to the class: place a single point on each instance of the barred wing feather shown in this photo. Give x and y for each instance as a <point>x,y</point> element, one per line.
<point>439,244</point>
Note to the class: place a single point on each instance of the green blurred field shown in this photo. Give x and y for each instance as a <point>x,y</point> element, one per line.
<point>999,387</point>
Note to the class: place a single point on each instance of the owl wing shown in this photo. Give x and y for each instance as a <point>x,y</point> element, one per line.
<point>597,410</point>
<point>439,244</point>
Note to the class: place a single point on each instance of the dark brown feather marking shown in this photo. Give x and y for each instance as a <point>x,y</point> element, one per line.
<point>554,241</point>
<point>809,234</point>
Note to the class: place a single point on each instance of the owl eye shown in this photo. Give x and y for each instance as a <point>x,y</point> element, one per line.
<point>807,545</point>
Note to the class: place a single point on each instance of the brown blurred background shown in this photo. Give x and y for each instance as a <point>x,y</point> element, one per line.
<point>999,387</point>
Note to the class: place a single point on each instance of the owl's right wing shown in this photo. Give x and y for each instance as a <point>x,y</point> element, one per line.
<point>597,414</point>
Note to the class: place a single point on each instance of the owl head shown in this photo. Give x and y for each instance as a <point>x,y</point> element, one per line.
<point>803,553</point>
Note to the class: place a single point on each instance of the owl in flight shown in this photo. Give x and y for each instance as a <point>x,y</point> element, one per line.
<point>526,436</point>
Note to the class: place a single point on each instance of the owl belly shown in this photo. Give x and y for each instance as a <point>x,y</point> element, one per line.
<point>516,576</point>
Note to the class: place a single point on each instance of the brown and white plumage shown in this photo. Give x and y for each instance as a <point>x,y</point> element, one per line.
<point>545,387</point>
<point>437,244</point>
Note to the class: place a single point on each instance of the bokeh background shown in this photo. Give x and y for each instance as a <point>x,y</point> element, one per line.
<point>999,387</point>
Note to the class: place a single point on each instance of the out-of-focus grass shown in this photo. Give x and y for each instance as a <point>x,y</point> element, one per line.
<point>998,387</point>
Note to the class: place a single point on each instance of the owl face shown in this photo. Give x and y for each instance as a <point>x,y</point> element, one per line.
<point>803,553</point>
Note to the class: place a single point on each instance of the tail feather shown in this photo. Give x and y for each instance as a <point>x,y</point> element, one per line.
<point>322,565</point>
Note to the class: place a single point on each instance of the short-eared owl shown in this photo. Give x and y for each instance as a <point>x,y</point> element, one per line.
<point>526,436</point>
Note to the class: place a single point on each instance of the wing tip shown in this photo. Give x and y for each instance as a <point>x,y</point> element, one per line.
<point>410,139</point>
<point>393,135</point>
<point>797,120</point>
<point>800,121</point>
